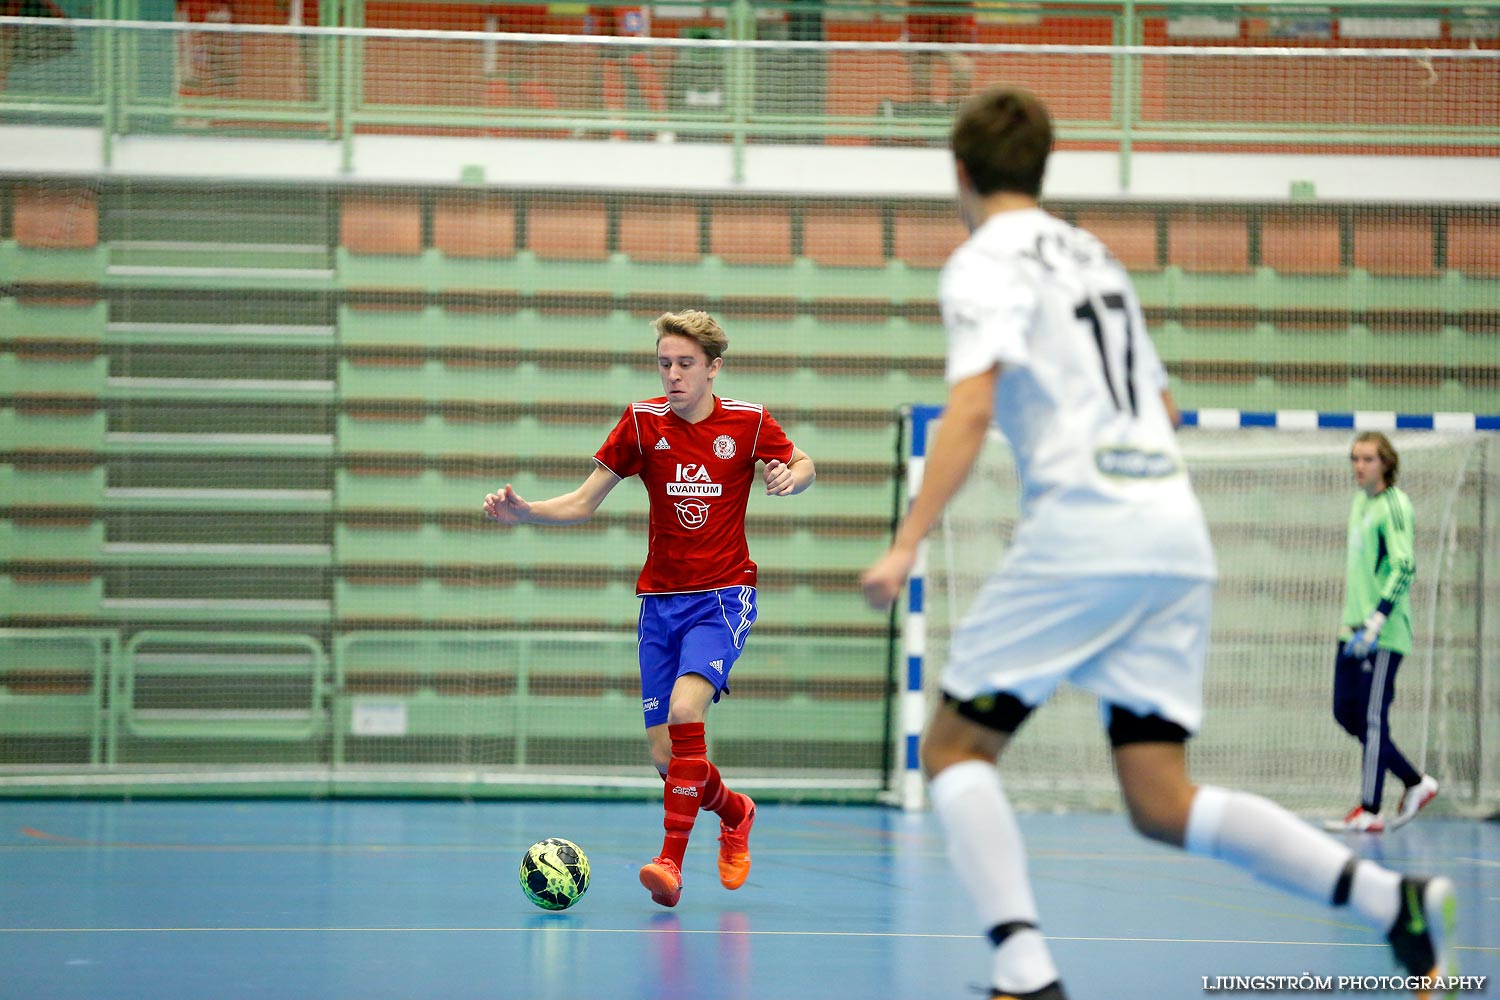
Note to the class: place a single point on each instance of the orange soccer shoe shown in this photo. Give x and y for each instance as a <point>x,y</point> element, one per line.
<point>664,879</point>
<point>734,848</point>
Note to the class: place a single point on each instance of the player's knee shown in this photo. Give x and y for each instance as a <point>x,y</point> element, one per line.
<point>1163,820</point>
<point>937,754</point>
<point>690,700</point>
<point>970,730</point>
<point>1160,811</point>
<point>1348,716</point>
<point>1150,763</point>
<point>679,714</point>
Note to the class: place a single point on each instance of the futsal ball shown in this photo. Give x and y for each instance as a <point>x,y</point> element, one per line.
<point>555,873</point>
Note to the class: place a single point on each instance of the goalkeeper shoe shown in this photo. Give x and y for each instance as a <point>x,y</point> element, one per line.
<point>734,848</point>
<point>1052,992</point>
<point>1422,936</point>
<point>1413,799</point>
<point>1358,820</point>
<point>664,879</point>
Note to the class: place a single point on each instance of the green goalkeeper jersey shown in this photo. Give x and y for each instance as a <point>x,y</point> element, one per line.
<point>1381,565</point>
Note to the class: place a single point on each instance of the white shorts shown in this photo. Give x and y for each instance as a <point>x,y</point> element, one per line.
<point>1138,642</point>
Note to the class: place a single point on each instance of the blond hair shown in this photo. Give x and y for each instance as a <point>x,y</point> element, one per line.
<point>697,326</point>
<point>1387,453</point>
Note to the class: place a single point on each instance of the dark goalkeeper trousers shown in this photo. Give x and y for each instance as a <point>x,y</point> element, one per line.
<point>1362,694</point>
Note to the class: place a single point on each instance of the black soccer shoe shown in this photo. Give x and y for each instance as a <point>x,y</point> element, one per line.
<point>1052,992</point>
<point>1422,936</point>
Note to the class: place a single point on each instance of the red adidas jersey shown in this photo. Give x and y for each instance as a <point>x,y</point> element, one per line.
<point>698,477</point>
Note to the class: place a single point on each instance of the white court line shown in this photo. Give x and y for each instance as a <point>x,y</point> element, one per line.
<point>702,932</point>
<point>634,930</point>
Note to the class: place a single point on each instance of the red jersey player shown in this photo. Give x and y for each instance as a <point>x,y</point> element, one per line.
<point>696,455</point>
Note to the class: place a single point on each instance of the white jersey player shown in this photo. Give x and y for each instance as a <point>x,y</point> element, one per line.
<point>1105,499</point>
<point>1108,581</point>
<point>1079,398</point>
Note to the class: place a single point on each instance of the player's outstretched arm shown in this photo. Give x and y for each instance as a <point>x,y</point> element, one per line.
<point>785,479</point>
<point>508,507</point>
<point>960,435</point>
<point>1173,413</point>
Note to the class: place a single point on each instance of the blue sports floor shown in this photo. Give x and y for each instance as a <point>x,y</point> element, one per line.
<point>283,900</point>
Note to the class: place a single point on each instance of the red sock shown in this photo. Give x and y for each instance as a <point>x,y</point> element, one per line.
<point>688,742</point>
<point>684,795</point>
<point>716,798</point>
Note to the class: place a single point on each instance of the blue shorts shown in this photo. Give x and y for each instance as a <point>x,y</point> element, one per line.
<point>701,633</point>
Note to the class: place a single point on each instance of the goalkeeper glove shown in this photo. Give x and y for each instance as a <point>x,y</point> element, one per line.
<point>1365,638</point>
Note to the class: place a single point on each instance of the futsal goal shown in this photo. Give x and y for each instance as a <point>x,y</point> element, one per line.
<point>1275,488</point>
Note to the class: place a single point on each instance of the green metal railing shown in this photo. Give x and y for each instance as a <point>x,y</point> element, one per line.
<point>217,657</point>
<point>431,700</point>
<point>124,76</point>
<point>75,667</point>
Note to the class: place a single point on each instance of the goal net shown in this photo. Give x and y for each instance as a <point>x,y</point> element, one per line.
<point>1277,503</point>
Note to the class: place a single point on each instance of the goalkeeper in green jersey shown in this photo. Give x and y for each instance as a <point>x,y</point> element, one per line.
<point>1376,632</point>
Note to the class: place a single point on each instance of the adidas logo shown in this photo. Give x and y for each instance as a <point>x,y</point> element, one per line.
<point>717,665</point>
<point>687,790</point>
<point>663,446</point>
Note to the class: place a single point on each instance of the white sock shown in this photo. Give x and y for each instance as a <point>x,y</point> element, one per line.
<point>1270,843</point>
<point>984,844</point>
<point>1376,895</point>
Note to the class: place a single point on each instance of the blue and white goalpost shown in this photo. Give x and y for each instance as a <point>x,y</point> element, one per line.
<point>916,621</point>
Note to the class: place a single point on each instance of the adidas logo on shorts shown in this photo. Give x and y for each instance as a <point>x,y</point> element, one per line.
<point>663,446</point>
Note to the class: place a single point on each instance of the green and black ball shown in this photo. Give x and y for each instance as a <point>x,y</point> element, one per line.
<point>555,873</point>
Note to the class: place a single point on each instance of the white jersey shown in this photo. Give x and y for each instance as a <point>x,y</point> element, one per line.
<point>1103,487</point>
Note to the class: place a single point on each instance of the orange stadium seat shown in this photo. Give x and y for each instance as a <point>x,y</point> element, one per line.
<point>474,225</point>
<point>843,235</point>
<point>660,232</point>
<point>1130,234</point>
<point>56,218</point>
<point>925,237</point>
<point>1214,241</point>
<point>1474,245</point>
<point>568,229</point>
<point>381,224</point>
<point>1394,243</point>
<point>745,233</point>
<point>1303,241</point>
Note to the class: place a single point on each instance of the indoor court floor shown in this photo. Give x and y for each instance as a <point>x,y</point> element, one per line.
<point>365,900</point>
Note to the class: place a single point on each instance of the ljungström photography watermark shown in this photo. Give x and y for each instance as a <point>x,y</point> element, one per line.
<point>1309,983</point>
